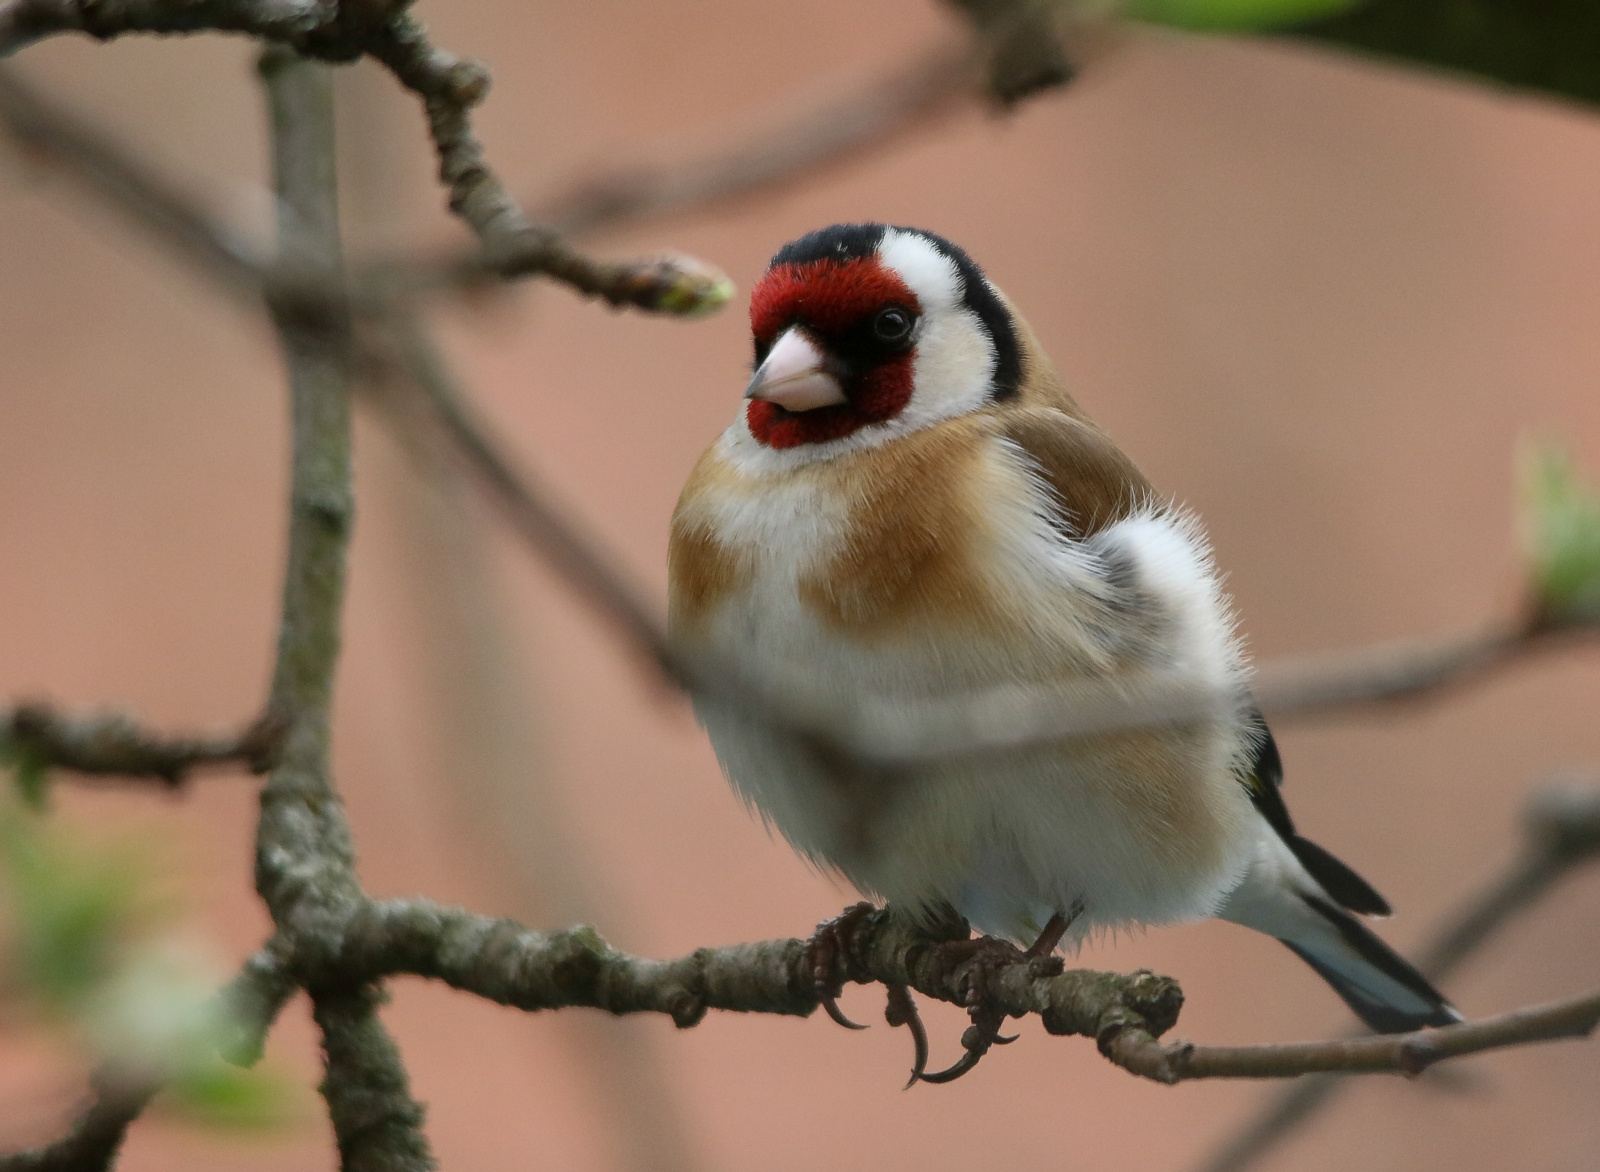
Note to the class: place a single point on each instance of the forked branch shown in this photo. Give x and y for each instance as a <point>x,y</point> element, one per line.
<point>449,87</point>
<point>1126,1014</point>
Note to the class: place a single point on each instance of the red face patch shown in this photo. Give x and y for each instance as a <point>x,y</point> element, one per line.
<point>831,300</point>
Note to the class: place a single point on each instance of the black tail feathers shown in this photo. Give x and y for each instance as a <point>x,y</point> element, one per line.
<point>1348,889</point>
<point>1382,988</point>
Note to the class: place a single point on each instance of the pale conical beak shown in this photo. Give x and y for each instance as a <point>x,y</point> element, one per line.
<point>795,376</point>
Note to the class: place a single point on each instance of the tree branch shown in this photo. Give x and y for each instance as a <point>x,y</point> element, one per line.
<point>502,961</point>
<point>922,89</point>
<point>415,361</point>
<point>1411,1053</point>
<point>22,22</point>
<point>96,1135</point>
<point>109,744</point>
<point>305,862</point>
<point>513,246</point>
<point>1016,716</point>
<point>449,86</point>
<point>377,1123</point>
<point>506,963</point>
<point>1562,833</point>
<point>128,184</point>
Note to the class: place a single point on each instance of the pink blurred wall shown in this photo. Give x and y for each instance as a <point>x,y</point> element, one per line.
<point>1318,300</point>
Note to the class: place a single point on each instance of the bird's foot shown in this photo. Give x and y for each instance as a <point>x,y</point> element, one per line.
<point>975,964</point>
<point>902,1011</point>
<point>830,944</point>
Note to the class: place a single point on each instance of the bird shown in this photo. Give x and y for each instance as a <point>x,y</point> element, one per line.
<point>909,506</point>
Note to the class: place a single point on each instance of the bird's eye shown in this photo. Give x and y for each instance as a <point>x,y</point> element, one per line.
<point>892,324</point>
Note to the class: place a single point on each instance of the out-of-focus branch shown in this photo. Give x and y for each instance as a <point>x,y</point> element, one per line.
<point>129,186</point>
<point>107,744</point>
<point>934,83</point>
<point>92,1142</point>
<point>1562,825</point>
<point>906,731</point>
<point>1027,714</point>
<point>587,569</point>
<point>251,1002</point>
<point>903,733</point>
<point>1016,48</point>
<point>23,22</point>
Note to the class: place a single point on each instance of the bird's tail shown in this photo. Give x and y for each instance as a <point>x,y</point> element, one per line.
<point>1385,992</point>
<point>1279,898</point>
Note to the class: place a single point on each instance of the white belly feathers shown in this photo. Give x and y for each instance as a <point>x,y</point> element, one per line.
<point>1140,826</point>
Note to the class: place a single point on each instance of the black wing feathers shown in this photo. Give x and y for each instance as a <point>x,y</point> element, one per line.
<point>1346,888</point>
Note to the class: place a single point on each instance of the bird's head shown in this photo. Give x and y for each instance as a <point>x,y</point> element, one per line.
<point>864,332</point>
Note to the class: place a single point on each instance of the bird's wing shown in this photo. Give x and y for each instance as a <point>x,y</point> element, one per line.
<point>1265,784</point>
<point>1095,485</point>
<point>1092,480</point>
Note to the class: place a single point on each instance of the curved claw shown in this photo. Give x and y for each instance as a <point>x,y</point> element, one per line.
<point>902,1010</point>
<point>837,1014</point>
<point>963,1064</point>
<point>827,945</point>
<point>1003,1040</point>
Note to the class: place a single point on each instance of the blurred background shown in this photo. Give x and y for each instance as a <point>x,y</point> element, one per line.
<point>1318,299</point>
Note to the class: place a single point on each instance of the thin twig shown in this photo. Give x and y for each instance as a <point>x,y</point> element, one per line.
<point>932,84</point>
<point>130,187</point>
<point>591,573</point>
<point>107,744</point>
<point>22,22</point>
<point>512,245</point>
<point>250,1003</point>
<point>1136,1051</point>
<point>1563,833</point>
<point>1015,716</point>
<point>92,1142</point>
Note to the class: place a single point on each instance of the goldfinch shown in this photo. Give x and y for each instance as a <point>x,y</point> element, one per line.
<point>910,505</point>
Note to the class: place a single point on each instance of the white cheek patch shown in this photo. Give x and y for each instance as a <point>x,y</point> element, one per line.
<point>956,358</point>
<point>953,368</point>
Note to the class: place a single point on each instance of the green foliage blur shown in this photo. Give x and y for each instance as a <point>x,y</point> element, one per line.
<point>1233,15</point>
<point>1561,538</point>
<point>87,952</point>
<point>1548,45</point>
